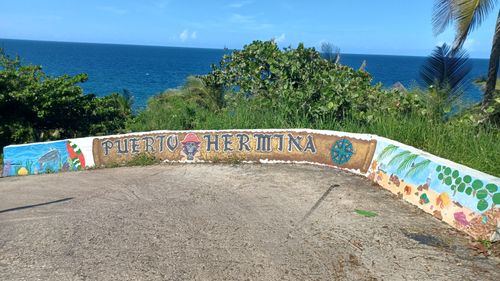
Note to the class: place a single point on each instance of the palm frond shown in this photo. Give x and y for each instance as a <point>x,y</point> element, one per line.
<point>469,14</point>
<point>398,158</point>
<point>446,69</point>
<point>388,150</point>
<point>418,168</point>
<point>406,162</point>
<point>442,15</point>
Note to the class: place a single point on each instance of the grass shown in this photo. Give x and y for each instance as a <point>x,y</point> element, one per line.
<point>476,147</point>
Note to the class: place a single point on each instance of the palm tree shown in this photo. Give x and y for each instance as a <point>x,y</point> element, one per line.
<point>195,91</point>
<point>467,15</point>
<point>444,74</point>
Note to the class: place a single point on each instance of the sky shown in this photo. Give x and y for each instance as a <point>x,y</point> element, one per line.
<point>392,27</point>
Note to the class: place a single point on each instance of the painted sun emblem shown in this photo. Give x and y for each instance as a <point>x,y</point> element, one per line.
<point>342,151</point>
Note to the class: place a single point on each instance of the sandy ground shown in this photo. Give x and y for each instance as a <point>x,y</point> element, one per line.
<point>220,222</point>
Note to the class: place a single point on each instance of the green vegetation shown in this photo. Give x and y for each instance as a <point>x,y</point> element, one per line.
<point>466,16</point>
<point>262,86</point>
<point>36,107</point>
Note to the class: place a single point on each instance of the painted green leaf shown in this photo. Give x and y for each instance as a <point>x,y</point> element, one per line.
<point>482,205</point>
<point>440,176</point>
<point>453,187</point>
<point>467,179</point>
<point>481,194</point>
<point>458,180</point>
<point>448,180</point>
<point>492,187</point>
<point>455,174</point>
<point>406,162</point>
<point>398,158</point>
<point>438,169</point>
<point>496,198</point>
<point>388,150</point>
<point>461,187</point>
<point>418,168</point>
<point>447,171</point>
<point>468,191</point>
<point>477,184</point>
<point>365,213</point>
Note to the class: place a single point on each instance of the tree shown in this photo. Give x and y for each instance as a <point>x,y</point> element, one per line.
<point>37,107</point>
<point>300,83</point>
<point>444,74</point>
<point>467,15</point>
<point>331,52</point>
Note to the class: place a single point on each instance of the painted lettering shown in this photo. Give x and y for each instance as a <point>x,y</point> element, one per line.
<point>161,145</point>
<point>211,142</point>
<point>124,149</point>
<point>172,142</point>
<point>134,145</point>
<point>263,142</point>
<point>148,144</point>
<point>227,142</point>
<point>294,141</point>
<point>280,138</point>
<point>243,142</point>
<point>310,144</point>
<point>107,145</point>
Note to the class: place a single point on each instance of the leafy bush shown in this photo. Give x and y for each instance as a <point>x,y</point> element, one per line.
<point>262,86</point>
<point>37,107</point>
<point>299,82</point>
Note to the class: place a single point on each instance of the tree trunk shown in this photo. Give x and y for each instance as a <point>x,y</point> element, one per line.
<point>493,66</point>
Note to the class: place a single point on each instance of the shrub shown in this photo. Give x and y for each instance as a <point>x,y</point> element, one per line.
<point>37,107</point>
<point>299,82</point>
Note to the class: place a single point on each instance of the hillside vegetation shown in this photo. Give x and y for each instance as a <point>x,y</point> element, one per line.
<point>260,86</point>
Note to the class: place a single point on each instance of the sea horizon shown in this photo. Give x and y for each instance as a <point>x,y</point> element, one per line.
<point>211,48</point>
<point>147,70</point>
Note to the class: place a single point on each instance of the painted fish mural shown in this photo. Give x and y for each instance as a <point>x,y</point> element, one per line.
<point>42,158</point>
<point>52,156</point>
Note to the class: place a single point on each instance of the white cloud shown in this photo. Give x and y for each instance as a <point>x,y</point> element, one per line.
<point>279,39</point>
<point>185,35</point>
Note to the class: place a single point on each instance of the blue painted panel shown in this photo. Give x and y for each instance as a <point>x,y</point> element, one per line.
<point>38,158</point>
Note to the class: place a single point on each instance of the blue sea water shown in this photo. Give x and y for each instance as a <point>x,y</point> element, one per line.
<point>148,70</point>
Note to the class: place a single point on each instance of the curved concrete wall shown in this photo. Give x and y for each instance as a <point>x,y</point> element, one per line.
<point>462,197</point>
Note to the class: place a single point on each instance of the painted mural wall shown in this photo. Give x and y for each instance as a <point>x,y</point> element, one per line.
<point>462,197</point>
<point>47,157</point>
<point>467,199</point>
<point>346,151</point>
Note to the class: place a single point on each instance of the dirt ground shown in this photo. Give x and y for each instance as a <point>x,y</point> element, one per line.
<point>221,222</point>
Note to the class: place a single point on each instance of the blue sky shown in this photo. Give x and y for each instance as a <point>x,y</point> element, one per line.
<point>363,26</point>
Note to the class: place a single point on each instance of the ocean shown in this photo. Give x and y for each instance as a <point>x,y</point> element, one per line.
<point>148,70</point>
